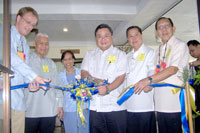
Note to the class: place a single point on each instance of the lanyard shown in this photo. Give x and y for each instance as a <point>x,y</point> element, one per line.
<point>164,56</point>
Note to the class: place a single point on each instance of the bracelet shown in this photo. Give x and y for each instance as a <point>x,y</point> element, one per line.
<point>150,79</point>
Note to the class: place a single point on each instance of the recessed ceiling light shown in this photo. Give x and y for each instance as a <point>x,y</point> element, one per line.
<point>65,29</point>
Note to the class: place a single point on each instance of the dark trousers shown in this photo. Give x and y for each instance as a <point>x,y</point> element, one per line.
<point>144,122</point>
<point>197,123</point>
<point>169,122</point>
<point>41,125</point>
<point>108,122</point>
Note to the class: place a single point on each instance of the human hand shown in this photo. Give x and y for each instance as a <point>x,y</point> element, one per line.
<point>98,81</point>
<point>148,89</point>
<point>139,86</point>
<point>60,113</point>
<point>85,74</point>
<point>195,63</point>
<point>33,86</point>
<point>102,90</point>
<point>41,80</point>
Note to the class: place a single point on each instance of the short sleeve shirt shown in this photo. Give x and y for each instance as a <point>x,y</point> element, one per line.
<point>176,54</point>
<point>107,65</point>
<point>140,65</point>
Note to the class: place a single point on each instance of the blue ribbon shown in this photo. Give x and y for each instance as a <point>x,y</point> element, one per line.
<point>126,96</point>
<point>183,113</point>
<point>74,86</point>
<point>130,92</point>
<point>26,86</point>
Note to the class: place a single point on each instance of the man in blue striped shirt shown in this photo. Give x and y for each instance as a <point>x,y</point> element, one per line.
<point>26,19</point>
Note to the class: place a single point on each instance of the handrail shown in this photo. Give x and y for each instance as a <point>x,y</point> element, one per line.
<point>6,63</point>
<point>5,69</point>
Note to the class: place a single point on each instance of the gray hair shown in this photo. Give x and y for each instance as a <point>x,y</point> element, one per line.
<point>41,34</point>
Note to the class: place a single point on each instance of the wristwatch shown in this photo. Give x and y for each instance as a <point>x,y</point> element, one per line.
<point>150,79</point>
<point>107,90</point>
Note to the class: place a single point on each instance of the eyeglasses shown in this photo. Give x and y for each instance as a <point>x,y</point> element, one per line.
<point>28,22</point>
<point>164,26</point>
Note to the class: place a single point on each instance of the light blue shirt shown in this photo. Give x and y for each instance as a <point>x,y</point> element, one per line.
<point>69,103</point>
<point>71,78</point>
<point>22,72</point>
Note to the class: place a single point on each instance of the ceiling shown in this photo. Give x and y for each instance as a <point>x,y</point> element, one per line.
<point>81,17</point>
<point>185,19</point>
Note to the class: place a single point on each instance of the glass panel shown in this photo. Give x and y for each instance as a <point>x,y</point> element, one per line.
<point>1,105</point>
<point>1,62</point>
<point>1,32</point>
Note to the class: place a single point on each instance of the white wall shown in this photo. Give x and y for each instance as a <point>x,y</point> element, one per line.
<point>55,50</point>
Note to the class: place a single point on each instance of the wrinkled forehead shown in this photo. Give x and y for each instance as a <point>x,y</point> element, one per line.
<point>42,39</point>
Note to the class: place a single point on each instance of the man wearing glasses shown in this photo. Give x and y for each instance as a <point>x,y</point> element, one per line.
<point>172,57</point>
<point>26,19</point>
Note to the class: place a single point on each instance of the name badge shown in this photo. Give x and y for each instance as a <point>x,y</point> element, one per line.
<point>141,56</point>
<point>45,68</point>
<point>111,59</point>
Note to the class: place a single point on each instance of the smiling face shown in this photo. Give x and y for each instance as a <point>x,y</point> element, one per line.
<point>104,39</point>
<point>41,46</point>
<point>24,24</point>
<point>134,38</point>
<point>68,61</point>
<point>165,30</point>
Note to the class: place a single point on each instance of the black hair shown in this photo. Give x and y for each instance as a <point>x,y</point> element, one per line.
<point>193,42</point>
<point>67,51</point>
<point>133,27</point>
<point>172,24</point>
<point>101,26</point>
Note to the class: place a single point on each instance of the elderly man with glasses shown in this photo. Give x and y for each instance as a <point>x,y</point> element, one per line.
<point>171,58</point>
